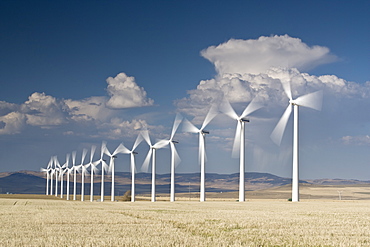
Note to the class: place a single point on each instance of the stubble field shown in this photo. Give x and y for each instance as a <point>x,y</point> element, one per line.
<point>257,222</point>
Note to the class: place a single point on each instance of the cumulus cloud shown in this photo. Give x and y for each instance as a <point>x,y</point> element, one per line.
<point>125,93</point>
<point>256,56</point>
<point>12,123</point>
<point>89,109</point>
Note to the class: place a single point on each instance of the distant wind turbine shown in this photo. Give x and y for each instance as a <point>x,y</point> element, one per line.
<point>69,170</point>
<point>132,159</point>
<point>75,168</point>
<point>189,127</point>
<point>104,166</point>
<point>61,175</point>
<point>311,100</point>
<point>47,170</point>
<point>57,168</point>
<point>175,158</point>
<point>151,155</point>
<point>92,170</point>
<point>83,172</point>
<point>239,140</point>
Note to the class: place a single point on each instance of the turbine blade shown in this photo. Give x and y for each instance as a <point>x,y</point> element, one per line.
<point>254,105</point>
<point>311,100</point>
<point>187,126</point>
<point>145,166</point>
<point>93,148</point>
<point>176,124</point>
<point>138,140</point>
<point>102,149</point>
<point>146,137</point>
<point>73,158</point>
<point>212,113</point>
<point>123,150</point>
<point>132,156</point>
<point>67,160</point>
<point>226,108</point>
<point>161,144</point>
<point>119,149</point>
<point>176,155</point>
<point>278,132</point>
<point>236,145</point>
<point>84,152</point>
<point>106,151</point>
<point>287,90</point>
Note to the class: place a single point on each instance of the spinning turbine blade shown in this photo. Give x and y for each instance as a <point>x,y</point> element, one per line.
<point>145,166</point>
<point>236,145</point>
<point>311,100</point>
<point>189,127</point>
<point>119,149</point>
<point>226,108</point>
<point>287,90</point>
<point>73,158</point>
<point>210,115</point>
<point>84,152</point>
<point>138,140</point>
<point>176,124</point>
<point>253,106</point>
<point>146,137</point>
<point>93,148</point>
<point>161,144</point>
<point>277,133</point>
<point>102,149</point>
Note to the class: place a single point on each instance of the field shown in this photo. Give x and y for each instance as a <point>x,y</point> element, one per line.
<point>31,220</point>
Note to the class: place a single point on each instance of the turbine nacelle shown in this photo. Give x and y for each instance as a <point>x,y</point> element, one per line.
<point>204,132</point>
<point>244,120</point>
<point>174,142</point>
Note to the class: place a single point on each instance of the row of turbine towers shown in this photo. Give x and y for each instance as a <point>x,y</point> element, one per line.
<point>55,169</point>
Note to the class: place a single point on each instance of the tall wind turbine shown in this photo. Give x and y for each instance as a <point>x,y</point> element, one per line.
<point>61,175</point>
<point>83,172</point>
<point>175,158</point>
<point>92,170</point>
<point>57,168</point>
<point>104,166</point>
<point>239,140</point>
<point>111,166</point>
<point>47,170</point>
<point>189,127</point>
<point>311,100</point>
<point>132,159</point>
<point>151,155</point>
<point>75,168</point>
<point>69,170</point>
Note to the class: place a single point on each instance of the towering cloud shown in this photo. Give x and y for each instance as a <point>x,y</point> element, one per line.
<point>125,93</point>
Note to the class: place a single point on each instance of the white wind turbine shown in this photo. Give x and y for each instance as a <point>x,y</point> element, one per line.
<point>175,158</point>
<point>69,170</point>
<point>151,155</point>
<point>239,140</point>
<point>133,167</point>
<point>104,166</point>
<point>61,175</point>
<point>189,127</point>
<point>75,168</point>
<point>83,172</point>
<point>52,171</point>
<point>92,170</point>
<point>111,166</point>
<point>311,100</point>
<point>47,170</point>
<point>57,168</point>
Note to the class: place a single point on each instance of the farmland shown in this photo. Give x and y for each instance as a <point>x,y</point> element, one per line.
<point>47,221</point>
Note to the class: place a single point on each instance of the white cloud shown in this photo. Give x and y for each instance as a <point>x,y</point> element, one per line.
<point>125,93</point>
<point>44,110</point>
<point>12,123</point>
<point>257,56</point>
<point>89,109</point>
<point>356,140</point>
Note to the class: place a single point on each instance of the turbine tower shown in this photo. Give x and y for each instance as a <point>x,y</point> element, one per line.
<point>151,155</point>
<point>57,168</point>
<point>132,159</point>
<point>61,175</point>
<point>239,140</point>
<point>92,170</point>
<point>69,170</point>
<point>311,100</point>
<point>189,127</point>
<point>175,158</point>
<point>75,168</point>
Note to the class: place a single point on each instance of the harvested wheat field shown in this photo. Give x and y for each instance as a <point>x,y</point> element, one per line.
<point>40,222</point>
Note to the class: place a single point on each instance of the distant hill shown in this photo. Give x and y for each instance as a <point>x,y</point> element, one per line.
<point>31,182</point>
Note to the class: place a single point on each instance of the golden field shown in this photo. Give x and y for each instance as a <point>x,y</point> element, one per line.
<point>36,220</point>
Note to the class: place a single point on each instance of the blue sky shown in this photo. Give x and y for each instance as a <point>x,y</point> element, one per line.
<point>57,56</point>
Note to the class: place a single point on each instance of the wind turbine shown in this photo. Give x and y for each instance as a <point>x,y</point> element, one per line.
<point>83,172</point>
<point>311,100</point>
<point>92,169</point>
<point>111,166</point>
<point>69,170</point>
<point>189,127</point>
<point>61,174</point>
<point>47,170</point>
<point>175,158</point>
<point>56,163</point>
<point>239,140</point>
<point>133,168</point>
<point>75,168</point>
<point>151,155</point>
<point>104,166</point>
